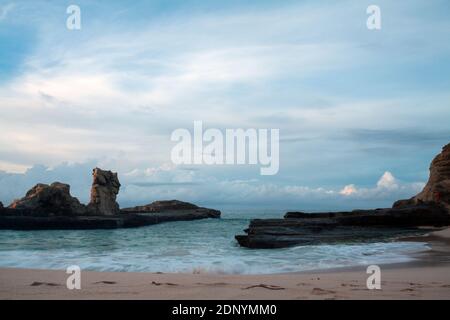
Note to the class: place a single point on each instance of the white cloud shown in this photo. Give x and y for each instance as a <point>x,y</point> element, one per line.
<point>12,167</point>
<point>387,181</point>
<point>387,187</point>
<point>348,190</point>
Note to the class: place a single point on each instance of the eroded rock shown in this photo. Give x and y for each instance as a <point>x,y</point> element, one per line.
<point>52,208</point>
<point>105,187</point>
<point>54,199</point>
<point>437,189</point>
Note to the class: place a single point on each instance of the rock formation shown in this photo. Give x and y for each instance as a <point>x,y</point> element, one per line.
<point>430,208</point>
<point>105,187</point>
<point>53,208</point>
<point>437,189</point>
<point>299,228</point>
<point>160,206</point>
<point>54,199</point>
<point>174,209</point>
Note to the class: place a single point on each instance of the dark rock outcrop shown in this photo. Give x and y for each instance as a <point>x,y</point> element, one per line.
<point>430,208</point>
<point>51,207</point>
<point>54,199</point>
<point>161,206</point>
<point>174,210</point>
<point>15,219</point>
<point>299,228</point>
<point>104,191</point>
<point>18,221</point>
<point>167,211</point>
<point>437,189</point>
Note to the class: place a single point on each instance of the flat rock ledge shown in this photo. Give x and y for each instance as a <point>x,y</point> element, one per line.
<point>173,210</point>
<point>299,228</point>
<point>17,219</point>
<point>430,208</point>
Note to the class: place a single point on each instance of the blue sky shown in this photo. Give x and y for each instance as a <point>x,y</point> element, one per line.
<point>361,113</point>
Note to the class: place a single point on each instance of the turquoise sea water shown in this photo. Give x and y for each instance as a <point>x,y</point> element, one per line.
<point>191,246</point>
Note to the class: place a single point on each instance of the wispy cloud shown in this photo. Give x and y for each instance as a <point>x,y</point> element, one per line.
<point>5,9</point>
<point>340,95</point>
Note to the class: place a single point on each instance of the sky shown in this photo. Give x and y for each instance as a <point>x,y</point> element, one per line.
<point>361,112</point>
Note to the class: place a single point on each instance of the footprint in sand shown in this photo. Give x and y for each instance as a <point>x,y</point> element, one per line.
<point>212,284</point>
<point>105,282</point>
<point>319,291</point>
<point>50,284</point>
<point>161,283</point>
<point>417,285</point>
<point>349,285</point>
<point>265,286</point>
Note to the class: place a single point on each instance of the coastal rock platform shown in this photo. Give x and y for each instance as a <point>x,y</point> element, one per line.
<point>299,228</point>
<point>428,209</point>
<point>21,219</point>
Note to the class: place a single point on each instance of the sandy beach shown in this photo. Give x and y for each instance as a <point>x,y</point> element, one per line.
<point>427,277</point>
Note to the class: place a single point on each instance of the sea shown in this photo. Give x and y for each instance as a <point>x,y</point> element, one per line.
<point>201,246</point>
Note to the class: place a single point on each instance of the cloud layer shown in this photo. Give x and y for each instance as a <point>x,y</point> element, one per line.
<point>350,103</point>
<point>169,182</point>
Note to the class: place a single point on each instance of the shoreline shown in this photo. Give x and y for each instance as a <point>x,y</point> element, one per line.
<point>426,277</point>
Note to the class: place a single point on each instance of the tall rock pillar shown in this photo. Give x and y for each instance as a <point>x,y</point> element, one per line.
<point>105,187</point>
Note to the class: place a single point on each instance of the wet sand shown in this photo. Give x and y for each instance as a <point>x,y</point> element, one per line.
<point>427,277</point>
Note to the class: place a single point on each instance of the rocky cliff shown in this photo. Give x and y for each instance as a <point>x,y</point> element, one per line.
<point>437,189</point>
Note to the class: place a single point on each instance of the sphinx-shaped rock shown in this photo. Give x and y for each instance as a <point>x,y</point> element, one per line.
<point>54,199</point>
<point>437,189</point>
<point>105,187</point>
